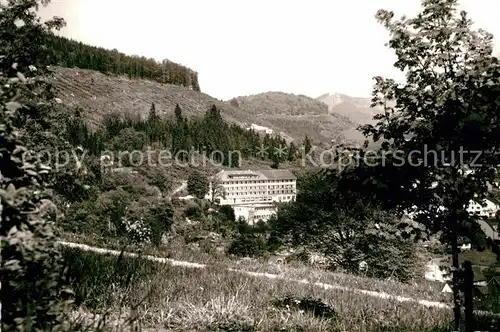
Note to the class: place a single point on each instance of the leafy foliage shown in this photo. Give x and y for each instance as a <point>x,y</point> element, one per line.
<point>197,184</point>
<point>248,245</point>
<point>217,190</point>
<point>31,265</point>
<point>331,217</point>
<point>125,206</point>
<point>434,124</point>
<point>228,212</point>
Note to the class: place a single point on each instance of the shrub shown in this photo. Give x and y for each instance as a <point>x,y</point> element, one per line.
<point>131,182</point>
<point>227,212</point>
<point>101,216</point>
<point>315,306</point>
<point>157,176</point>
<point>128,140</point>
<point>247,245</point>
<point>160,221</point>
<point>192,209</point>
<point>82,217</point>
<point>31,288</point>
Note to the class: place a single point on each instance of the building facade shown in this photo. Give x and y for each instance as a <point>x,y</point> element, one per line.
<point>488,211</point>
<point>254,194</point>
<point>435,270</point>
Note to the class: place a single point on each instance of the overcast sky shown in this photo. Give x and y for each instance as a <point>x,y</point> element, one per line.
<point>242,47</point>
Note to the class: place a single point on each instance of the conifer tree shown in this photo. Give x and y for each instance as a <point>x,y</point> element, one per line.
<point>178,112</point>
<point>307,145</point>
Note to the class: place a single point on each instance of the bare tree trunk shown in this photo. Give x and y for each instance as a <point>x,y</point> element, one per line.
<point>469,296</point>
<point>456,288</point>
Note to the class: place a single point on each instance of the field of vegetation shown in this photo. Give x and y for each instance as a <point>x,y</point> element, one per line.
<point>183,299</point>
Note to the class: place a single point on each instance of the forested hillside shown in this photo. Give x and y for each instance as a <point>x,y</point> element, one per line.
<point>102,94</point>
<point>99,95</point>
<point>209,136</point>
<point>70,53</point>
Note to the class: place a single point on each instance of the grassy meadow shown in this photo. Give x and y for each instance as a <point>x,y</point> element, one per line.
<point>138,294</point>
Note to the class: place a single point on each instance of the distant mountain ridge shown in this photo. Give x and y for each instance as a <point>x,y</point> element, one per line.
<point>97,95</point>
<point>291,116</point>
<point>104,81</point>
<point>355,108</point>
<point>296,115</point>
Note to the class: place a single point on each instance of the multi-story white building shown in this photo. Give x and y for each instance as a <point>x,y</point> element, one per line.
<point>254,194</point>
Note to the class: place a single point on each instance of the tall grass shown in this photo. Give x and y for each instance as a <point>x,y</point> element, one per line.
<point>159,296</point>
<point>296,270</point>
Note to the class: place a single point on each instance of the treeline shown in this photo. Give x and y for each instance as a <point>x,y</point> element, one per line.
<point>69,53</point>
<point>209,135</point>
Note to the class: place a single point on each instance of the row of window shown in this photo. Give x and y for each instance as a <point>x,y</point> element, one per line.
<point>260,199</point>
<point>260,187</point>
<point>253,193</point>
<point>258,181</point>
<point>255,199</point>
<point>478,207</point>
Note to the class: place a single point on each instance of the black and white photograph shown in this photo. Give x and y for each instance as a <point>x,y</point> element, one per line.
<point>250,165</point>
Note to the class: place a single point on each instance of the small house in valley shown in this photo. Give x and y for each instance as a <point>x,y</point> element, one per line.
<point>494,285</point>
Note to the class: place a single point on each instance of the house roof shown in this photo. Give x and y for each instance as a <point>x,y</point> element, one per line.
<point>278,174</point>
<point>440,261</point>
<point>274,174</point>
<point>478,274</point>
<point>483,290</point>
<point>494,280</point>
<point>446,289</point>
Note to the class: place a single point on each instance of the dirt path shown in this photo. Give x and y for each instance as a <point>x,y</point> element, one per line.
<point>180,188</point>
<point>429,304</point>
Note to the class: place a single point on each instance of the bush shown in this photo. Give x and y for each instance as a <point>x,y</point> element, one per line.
<point>192,209</point>
<point>247,245</point>
<point>128,140</point>
<point>81,217</point>
<point>101,216</point>
<point>160,221</point>
<point>130,182</point>
<point>32,290</point>
<point>227,212</point>
<point>390,258</point>
<point>157,176</point>
<point>121,214</point>
<point>314,306</point>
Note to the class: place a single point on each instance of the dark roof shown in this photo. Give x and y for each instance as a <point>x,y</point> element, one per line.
<point>278,174</point>
<point>478,274</point>
<point>483,290</point>
<point>273,174</point>
<point>495,279</point>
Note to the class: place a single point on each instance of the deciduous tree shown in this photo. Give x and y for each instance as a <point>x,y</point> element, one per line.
<point>31,265</point>
<point>197,184</point>
<point>440,124</point>
<point>216,190</point>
